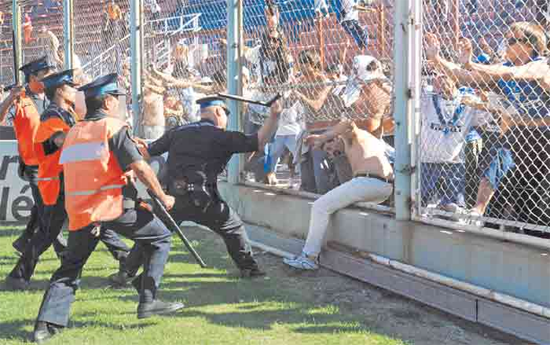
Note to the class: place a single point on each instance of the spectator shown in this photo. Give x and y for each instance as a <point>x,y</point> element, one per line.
<point>50,47</point>
<point>445,124</point>
<point>290,126</point>
<point>113,22</point>
<point>1,22</point>
<point>314,167</point>
<point>321,8</point>
<point>272,55</point>
<point>493,162</point>
<point>349,14</point>
<point>153,109</point>
<point>372,182</point>
<point>27,28</point>
<point>154,9</point>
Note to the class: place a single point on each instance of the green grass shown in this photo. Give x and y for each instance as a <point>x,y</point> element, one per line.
<point>220,309</point>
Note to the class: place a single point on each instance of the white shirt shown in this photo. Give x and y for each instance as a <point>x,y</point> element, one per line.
<point>349,7</point>
<point>443,142</point>
<point>291,120</point>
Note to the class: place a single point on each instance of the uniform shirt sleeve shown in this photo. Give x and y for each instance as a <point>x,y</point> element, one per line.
<point>124,149</point>
<point>238,142</point>
<point>161,145</point>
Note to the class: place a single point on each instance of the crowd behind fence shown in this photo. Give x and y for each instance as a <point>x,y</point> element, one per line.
<point>484,140</point>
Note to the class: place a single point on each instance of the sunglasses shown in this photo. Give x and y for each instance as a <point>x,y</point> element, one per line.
<point>227,112</point>
<point>513,40</point>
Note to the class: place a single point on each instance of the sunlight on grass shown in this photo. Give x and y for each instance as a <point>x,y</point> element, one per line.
<point>220,309</point>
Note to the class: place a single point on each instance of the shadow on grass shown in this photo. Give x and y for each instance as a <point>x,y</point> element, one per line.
<point>15,329</point>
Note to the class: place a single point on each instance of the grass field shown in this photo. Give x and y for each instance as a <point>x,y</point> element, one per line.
<point>285,308</point>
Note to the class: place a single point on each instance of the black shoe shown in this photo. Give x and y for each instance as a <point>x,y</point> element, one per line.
<point>120,279</point>
<point>16,284</point>
<point>157,307</point>
<point>20,243</point>
<point>252,273</point>
<point>44,331</point>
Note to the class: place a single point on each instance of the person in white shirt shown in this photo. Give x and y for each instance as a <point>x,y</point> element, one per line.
<point>445,123</point>
<point>291,123</point>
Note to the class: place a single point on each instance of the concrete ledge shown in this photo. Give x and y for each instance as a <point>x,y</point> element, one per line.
<point>517,270</point>
<point>470,307</point>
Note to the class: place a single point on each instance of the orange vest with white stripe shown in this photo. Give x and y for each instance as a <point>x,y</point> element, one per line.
<point>49,168</point>
<point>93,177</point>
<point>25,124</point>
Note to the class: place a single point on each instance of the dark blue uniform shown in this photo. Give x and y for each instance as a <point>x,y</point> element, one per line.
<point>197,154</point>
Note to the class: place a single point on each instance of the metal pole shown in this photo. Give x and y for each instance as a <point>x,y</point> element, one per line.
<point>403,109</point>
<point>18,44</point>
<point>136,39</point>
<point>68,33</point>
<point>415,73</point>
<point>234,80</point>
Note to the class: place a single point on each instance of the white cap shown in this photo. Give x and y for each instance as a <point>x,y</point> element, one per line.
<point>359,75</point>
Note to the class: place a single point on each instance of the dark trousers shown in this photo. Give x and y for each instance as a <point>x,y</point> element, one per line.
<point>208,209</point>
<point>54,217</point>
<point>149,234</point>
<point>354,29</point>
<point>36,221</point>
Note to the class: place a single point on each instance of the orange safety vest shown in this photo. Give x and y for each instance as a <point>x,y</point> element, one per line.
<point>25,124</point>
<point>49,168</point>
<point>93,177</point>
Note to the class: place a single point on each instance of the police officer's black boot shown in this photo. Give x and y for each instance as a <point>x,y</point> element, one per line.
<point>44,331</point>
<point>120,279</point>
<point>251,273</point>
<point>157,307</point>
<point>16,284</point>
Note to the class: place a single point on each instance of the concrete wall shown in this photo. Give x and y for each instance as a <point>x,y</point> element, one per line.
<point>517,270</point>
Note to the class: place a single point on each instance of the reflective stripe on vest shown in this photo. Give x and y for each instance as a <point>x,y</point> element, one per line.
<point>83,152</point>
<point>47,178</point>
<point>96,191</point>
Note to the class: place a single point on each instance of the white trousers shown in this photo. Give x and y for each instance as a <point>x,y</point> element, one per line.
<point>357,189</point>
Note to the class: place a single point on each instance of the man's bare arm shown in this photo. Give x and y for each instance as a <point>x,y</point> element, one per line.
<point>270,124</point>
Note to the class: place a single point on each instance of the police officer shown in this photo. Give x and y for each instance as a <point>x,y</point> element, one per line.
<point>97,153</point>
<point>27,104</point>
<point>198,153</point>
<point>55,122</point>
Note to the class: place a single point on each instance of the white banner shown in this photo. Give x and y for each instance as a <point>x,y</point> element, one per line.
<point>15,193</point>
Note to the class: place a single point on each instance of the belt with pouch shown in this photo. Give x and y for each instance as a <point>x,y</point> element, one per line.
<point>181,187</point>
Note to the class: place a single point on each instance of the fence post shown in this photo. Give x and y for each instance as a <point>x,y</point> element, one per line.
<point>16,23</point>
<point>68,33</point>
<point>136,45</point>
<point>405,92</point>
<point>234,80</point>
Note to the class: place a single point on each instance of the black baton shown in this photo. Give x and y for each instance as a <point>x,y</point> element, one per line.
<point>251,101</point>
<point>167,219</point>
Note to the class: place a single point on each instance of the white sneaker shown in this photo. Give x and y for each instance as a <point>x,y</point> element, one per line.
<point>302,262</point>
<point>474,218</point>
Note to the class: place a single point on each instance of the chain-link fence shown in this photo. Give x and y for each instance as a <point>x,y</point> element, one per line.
<point>42,31</point>
<point>329,59</point>
<point>184,60</point>
<point>6,51</point>
<point>485,136</point>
